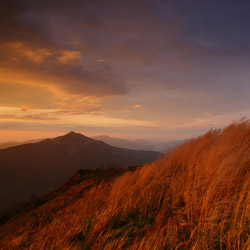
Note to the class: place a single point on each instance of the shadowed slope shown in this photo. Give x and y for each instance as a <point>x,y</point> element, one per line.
<point>39,167</point>
<point>197,197</point>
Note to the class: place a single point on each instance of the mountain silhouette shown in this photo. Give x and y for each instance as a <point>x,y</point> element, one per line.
<point>39,167</point>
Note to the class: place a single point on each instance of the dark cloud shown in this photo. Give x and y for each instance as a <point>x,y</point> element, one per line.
<point>184,45</point>
<point>14,25</point>
<point>149,27</point>
<point>64,69</point>
<point>27,45</point>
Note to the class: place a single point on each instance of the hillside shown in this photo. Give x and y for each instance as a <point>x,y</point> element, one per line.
<point>40,167</point>
<point>196,197</point>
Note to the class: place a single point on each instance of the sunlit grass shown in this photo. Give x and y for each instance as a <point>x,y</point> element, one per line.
<point>197,197</point>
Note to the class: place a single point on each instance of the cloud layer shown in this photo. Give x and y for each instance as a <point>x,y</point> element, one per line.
<point>170,62</point>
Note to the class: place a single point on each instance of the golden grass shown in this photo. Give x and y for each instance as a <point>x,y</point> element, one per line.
<point>197,197</point>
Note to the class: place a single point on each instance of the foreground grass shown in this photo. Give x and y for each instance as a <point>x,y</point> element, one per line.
<point>197,197</point>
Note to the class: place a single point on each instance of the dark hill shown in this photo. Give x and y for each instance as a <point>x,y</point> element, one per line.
<point>39,167</point>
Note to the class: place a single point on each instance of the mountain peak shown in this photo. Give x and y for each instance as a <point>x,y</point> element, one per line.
<point>73,134</point>
<point>73,139</point>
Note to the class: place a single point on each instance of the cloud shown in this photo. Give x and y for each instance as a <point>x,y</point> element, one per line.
<point>136,106</point>
<point>15,25</point>
<point>76,105</point>
<point>25,108</point>
<point>13,113</point>
<point>39,117</point>
<point>107,124</point>
<point>30,54</point>
<point>209,114</point>
<point>163,44</point>
<point>16,94</point>
<point>69,56</point>
<point>20,51</point>
<point>61,69</point>
<point>26,98</point>
<point>216,120</point>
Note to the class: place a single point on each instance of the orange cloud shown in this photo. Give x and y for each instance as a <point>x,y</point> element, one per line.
<point>136,106</point>
<point>67,56</point>
<point>20,51</point>
<point>25,108</point>
<point>60,69</point>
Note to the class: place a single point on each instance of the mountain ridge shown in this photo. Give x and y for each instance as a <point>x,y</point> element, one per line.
<point>40,167</point>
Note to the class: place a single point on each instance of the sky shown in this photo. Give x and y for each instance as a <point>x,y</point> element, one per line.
<point>134,69</point>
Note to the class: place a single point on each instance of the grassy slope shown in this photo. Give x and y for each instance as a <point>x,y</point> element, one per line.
<point>197,197</point>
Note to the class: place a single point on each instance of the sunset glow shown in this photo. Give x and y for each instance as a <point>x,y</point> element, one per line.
<point>132,69</point>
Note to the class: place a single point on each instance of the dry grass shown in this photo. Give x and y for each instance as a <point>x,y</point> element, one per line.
<point>197,197</point>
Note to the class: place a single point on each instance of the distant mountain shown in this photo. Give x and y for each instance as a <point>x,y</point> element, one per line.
<point>16,143</point>
<point>122,143</point>
<point>168,146</point>
<point>140,144</point>
<point>117,142</point>
<point>40,167</point>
